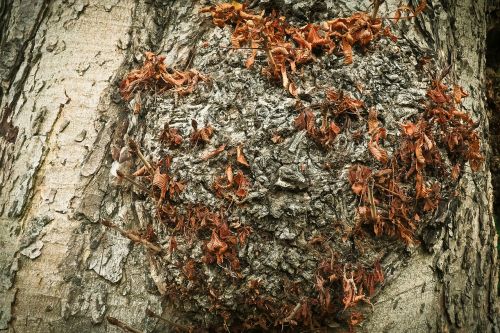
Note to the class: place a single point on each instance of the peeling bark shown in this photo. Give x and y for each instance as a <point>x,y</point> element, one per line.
<point>61,116</point>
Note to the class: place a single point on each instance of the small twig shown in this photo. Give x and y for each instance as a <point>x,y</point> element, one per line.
<point>271,61</point>
<point>373,208</point>
<point>178,326</point>
<point>398,18</point>
<point>133,182</point>
<point>133,237</point>
<point>391,192</point>
<point>376,5</point>
<point>242,48</point>
<point>122,325</point>
<point>258,48</point>
<point>444,73</point>
<point>293,313</point>
<point>135,147</point>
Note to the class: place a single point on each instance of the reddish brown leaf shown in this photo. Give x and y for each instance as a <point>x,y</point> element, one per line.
<point>213,153</point>
<point>141,171</point>
<point>409,128</point>
<point>373,123</point>
<point>242,184</point>
<point>437,96</point>
<point>250,61</point>
<point>276,138</point>
<point>189,269</point>
<point>421,7</point>
<point>155,76</point>
<point>347,50</point>
<point>292,88</point>
<point>459,93</point>
<point>201,136</point>
<point>421,190</point>
<point>172,244</point>
<point>229,174</point>
<point>305,120</point>
<point>358,177</point>
<point>240,157</point>
<point>243,234</point>
<point>160,183</point>
<point>215,245</point>
<point>419,153</point>
<point>397,15</point>
<point>170,136</point>
<point>378,152</point>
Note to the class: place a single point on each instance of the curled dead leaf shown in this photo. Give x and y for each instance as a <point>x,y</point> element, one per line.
<point>217,246</point>
<point>373,123</point>
<point>200,136</point>
<point>347,50</point>
<point>213,153</point>
<point>459,93</point>
<point>358,177</point>
<point>378,152</point>
<point>240,157</point>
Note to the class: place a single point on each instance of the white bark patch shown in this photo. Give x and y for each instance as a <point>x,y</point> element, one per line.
<point>108,259</point>
<point>34,250</point>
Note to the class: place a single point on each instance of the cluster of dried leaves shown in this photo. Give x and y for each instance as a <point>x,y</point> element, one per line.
<point>230,186</point>
<point>405,11</point>
<point>394,197</point>
<point>199,223</point>
<point>287,46</point>
<point>338,288</point>
<point>154,179</point>
<point>455,127</point>
<point>192,221</point>
<point>336,107</point>
<point>170,136</point>
<point>155,76</point>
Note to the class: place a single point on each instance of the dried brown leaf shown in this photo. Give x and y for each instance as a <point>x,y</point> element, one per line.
<point>347,50</point>
<point>217,246</point>
<point>459,93</point>
<point>240,157</point>
<point>378,152</point>
<point>160,183</point>
<point>213,153</point>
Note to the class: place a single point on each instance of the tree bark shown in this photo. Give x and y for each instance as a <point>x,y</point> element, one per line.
<point>60,68</point>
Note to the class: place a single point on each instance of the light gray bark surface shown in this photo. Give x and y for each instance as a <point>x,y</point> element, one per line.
<point>60,64</point>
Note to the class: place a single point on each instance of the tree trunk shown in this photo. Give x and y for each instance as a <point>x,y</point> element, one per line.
<point>62,116</point>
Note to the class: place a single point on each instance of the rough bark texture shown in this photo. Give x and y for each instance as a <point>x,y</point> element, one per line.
<point>60,65</point>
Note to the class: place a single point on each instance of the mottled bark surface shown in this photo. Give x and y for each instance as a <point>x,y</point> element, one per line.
<point>61,116</point>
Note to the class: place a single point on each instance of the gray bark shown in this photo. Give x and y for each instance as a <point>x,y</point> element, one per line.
<point>60,66</point>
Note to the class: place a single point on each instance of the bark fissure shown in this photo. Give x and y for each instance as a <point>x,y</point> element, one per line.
<point>21,50</point>
<point>492,75</point>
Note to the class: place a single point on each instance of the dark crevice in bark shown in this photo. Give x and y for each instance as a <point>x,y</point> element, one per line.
<point>21,48</point>
<point>14,52</point>
<point>493,106</point>
<point>33,57</point>
<point>5,12</point>
<point>7,130</point>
